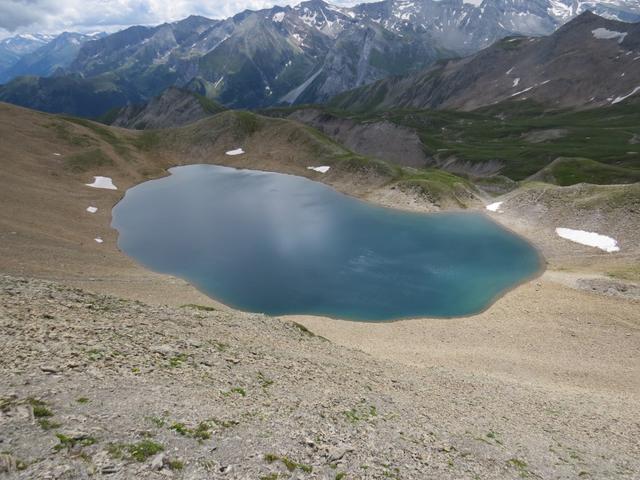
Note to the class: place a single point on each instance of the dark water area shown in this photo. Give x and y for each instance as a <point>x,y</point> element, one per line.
<point>281,244</point>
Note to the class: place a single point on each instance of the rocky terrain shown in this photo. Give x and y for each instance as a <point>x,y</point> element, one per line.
<point>381,139</point>
<point>111,382</point>
<point>95,386</point>
<point>174,108</point>
<point>589,62</point>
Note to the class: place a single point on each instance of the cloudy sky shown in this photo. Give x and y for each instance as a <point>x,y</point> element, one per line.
<point>53,16</point>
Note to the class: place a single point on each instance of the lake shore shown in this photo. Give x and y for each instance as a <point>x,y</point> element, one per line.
<point>531,335</point>
<point>553,361</point>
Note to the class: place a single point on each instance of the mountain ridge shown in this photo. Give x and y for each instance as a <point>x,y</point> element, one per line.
<point>307,53</point>
<point>589,62</point>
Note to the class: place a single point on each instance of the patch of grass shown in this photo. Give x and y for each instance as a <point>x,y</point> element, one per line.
<point>82,400</point>
<point>6,404</point>
<point>69,443</point>
<point>340,476</point>
<point>264,381</point>
<point>144,449</point>
<point>494,436</point>
<point>201,432</point>
<point>147,141</point>
<point>361,413</point>
<point>95,354</point>
<point>438,186</point>
<point>304,330</point>
<point>629,272</point>
<point>181,428</point>
<point>47,424</point>
<point>239,390</point>
<point>157,421</point>
<point>40,409</point>
<point>271,476</point>
<point>103,132</point>
<point>224,423</point>
<point>85,161</point>
<point>208,105</point>
<point>520,465</point>
<point>177,360</point>
<point>176,464</point>
<point>64,133</point>
<point>203,308</point>
<point>248,123</point>
<point>289,464</point>
<point>569,171</point>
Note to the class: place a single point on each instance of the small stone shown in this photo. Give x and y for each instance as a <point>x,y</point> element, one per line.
<point>157,463</point>
<point>338,453</point>
<point>164,350</point>
<point>235,361</point>
<point>49,369</point>
<point>109,469</point>
<point>7,463</point>
<point>76,435</point>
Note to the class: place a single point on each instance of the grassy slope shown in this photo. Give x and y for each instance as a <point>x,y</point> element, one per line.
<point>513,134</point>
<point>44,196</point>
<point>569,171</point>
<point>272,144</point>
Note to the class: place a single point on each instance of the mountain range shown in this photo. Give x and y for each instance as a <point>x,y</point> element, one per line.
<point>42,55</point>
<point>589,62</point>
<point>283,55</point>
<point>14,48</point>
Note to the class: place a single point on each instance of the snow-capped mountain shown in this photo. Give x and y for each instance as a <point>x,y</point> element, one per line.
<point>14,48</point>
<point>53,53</point>
<point>589,62</point>
<point>310,52</point>
<point>470,25</point>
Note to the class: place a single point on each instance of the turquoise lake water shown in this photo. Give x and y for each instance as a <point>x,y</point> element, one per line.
<point>281,244</point>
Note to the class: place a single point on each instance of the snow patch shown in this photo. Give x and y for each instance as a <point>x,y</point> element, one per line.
<point>624,97</point>
<point>604,34</point>
<point>323,169</point>
<point>57,154</point>
<point>102,182</point>
<point>475,3</point>
<point>237,151</point>
<point>98,240</point>
<point>494,207</point>
<point>92,209</point>
<point>278,17</point>
<point>516,82</point>
<point>590,239</point>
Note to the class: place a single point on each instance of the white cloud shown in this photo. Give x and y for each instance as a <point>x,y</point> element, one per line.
<point>52,16</point>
